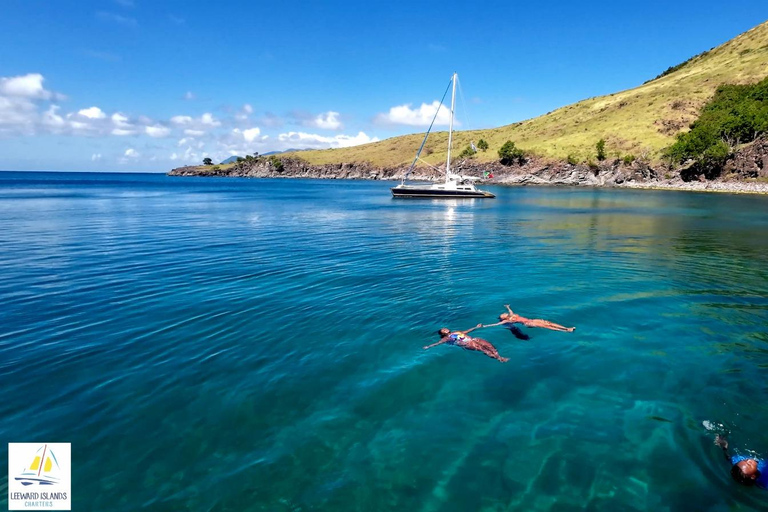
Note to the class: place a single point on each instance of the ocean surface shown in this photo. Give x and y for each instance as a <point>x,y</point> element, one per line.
<point>234,344</point>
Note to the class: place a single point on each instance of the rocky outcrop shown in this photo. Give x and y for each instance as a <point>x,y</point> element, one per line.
<point>535,171</point>
<point>741,173</point>
<point>750,161</point>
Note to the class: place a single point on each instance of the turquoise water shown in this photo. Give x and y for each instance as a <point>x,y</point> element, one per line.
<point>227,344</point>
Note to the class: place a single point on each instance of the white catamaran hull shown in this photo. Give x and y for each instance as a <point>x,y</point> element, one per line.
<point>436,191</point>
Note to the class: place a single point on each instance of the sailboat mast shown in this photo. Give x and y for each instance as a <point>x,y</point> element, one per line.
<point>450,132</point>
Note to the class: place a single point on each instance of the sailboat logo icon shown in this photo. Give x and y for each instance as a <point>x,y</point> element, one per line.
<point>43,469</point>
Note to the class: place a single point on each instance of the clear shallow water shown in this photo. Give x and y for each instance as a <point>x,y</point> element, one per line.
<point>234,344</point>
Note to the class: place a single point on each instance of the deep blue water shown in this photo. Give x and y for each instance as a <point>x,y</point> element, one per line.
<point>229,344</point>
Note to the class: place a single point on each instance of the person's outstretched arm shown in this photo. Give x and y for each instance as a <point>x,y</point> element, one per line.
<point>722,443</point>
<point>509,309</point>
<point>478,326</point>
<point>492,325</point>
<point>443,340</point>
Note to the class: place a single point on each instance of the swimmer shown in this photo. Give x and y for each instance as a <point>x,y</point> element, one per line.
<point>460,339</point>
<point>509,320</point>
<point>745,470</point>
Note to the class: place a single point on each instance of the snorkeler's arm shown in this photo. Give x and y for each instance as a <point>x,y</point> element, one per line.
<point>722,443</point>
<point>443,340</point>
<point>493,325</point>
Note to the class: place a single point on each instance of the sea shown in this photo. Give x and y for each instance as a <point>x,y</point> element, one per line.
<point>226,344</point>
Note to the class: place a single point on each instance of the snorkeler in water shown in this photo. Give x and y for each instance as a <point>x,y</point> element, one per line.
<point>460,339</point>
<point>510,318</point>
<point>745,470</point>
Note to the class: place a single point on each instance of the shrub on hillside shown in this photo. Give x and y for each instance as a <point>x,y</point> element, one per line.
<point>509,154</point>
<point>467,153</point>
<point>672,69</point>
<point>600,146</point>
<point>482,145</point>
<point>628,159</point>
<point>276,163</point>
<point>735,115</point>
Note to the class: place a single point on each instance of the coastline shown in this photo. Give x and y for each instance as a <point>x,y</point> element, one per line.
<point>744,173</point>
<point>722,187</point>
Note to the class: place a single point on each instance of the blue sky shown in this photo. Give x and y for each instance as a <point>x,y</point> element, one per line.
<point>134,85</point>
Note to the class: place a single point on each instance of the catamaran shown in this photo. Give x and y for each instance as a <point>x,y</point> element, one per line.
<point>455,185</point>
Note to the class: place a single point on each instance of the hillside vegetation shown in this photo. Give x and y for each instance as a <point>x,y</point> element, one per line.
<point>640,121</point>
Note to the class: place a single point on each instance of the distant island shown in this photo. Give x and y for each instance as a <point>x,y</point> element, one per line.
<point>701,124</point>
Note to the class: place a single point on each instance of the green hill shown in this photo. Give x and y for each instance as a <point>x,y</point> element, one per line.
<point>639,121</point>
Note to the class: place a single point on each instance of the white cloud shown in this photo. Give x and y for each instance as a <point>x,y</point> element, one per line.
<point>92,113</point>
<point>130,156</point>
<point>208,120</point>
<point>196,126</point>
<point>157,131</point>
<point>28,86</point>
<point>95,157</point>
<point>251,134</point>
<point>189,95</point>
<point>194,133</point>
<point>244,112</point>
<point>52,120</point>
<point>190,156</point>
<point>79,125</point>
<point>248,135</point>
<point>422,116</point>
<point>301,140</point>
<point>17,116</point>
<point>326,121</point>
<point>121,133</point>
<point>181,120</point>
<point>120,120</point>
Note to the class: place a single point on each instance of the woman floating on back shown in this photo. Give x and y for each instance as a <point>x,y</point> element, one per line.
<point>460,339</point>
<point>510,318</point>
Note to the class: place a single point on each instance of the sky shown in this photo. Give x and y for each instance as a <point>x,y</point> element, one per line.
<point>146,86</point>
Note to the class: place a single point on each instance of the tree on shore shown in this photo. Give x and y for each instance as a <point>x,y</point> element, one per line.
<point>207,161</point>
<point>509,154</point>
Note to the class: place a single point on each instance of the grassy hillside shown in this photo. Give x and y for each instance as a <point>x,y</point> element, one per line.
<point>643,120</point>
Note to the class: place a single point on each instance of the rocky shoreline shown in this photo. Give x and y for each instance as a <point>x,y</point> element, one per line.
<point>746,171</point>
